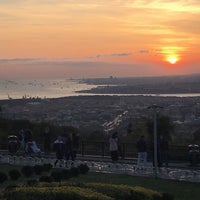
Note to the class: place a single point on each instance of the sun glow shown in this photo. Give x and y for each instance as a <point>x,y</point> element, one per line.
<point>172,60</point>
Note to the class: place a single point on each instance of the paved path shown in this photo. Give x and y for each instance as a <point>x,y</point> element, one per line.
<point>177,171</point>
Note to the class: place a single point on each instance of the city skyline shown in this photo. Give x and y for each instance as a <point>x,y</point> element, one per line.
<point>78,39</point>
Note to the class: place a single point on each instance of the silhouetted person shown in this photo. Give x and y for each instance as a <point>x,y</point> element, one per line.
<point>75,144</point>
<point>142,153</point>
<point>163,150</point>
<point>47,140</point>
<point>59,148</point>
<point>114,147</point>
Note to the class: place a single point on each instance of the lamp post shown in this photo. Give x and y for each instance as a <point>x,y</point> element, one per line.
<point>155,109</point>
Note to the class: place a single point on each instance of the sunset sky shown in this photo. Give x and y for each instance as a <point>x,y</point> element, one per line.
<point>99,38</point>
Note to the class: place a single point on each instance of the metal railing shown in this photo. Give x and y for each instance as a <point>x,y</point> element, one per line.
<point>128,150</point>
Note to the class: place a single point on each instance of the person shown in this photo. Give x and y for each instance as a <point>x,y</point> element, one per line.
<point>163,149</point>
<point>142,153</point>
<point>59,148</point>
<point>34,148</point>
<point>47,140</point>
<point>113,146</point>
<point>21,140</point>
<point>69,148</point>
<point>75,144</point>
<point>28,138</point>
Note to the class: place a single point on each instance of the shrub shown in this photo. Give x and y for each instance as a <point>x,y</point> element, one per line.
<point>14,174</point>
<point>47,179</point>
<point>27,171</point>
<point>125,191</point>
<point>32,182</point>
<point>38,169</point>
<point>74,171</point>
<point>56,175</point>
<point>66,174</point>
<point>47,167</point>
<point>3,177</point>
<point>61,193</point>
<point>83,168</point>
<point>167,196</point>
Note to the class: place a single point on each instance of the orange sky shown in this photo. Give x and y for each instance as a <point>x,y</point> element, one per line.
<point>98,38</point>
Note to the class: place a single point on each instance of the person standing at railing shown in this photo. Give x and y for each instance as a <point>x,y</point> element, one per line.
<point>142,153</point>
<point>47,140</point>
<point>113,146</point>
<point>59,148</point>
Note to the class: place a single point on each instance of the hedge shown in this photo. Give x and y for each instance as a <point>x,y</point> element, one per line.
<point>54,193</point>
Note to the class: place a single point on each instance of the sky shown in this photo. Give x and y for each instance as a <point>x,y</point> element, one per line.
<point>99,38</point>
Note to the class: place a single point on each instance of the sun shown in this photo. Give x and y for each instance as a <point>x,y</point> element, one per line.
<point>172,60</point>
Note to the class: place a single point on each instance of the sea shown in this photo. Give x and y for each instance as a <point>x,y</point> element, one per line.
<point>41,88</point>
<point>56,88</point>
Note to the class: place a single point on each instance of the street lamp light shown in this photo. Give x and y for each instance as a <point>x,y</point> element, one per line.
<point>155,109</point>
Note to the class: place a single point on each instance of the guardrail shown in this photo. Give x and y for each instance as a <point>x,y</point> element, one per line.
<point>128,150</point>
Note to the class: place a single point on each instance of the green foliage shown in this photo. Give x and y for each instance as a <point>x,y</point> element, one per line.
<point>125,191</point>
<point>56,175</point>
<point>164,127</point>
<point>14,174</point>
<point>85,191</point>
<point>83,168</point>
<point>74,171</point>
<point>31,182</point>
<point>3,177</point>
<point>47,167</point>
<point>27,171</point>
<point>38,169</point>
<point>167,196</point>
<point>66,174</point>
<point>54,193</point>
<point>47,179</point>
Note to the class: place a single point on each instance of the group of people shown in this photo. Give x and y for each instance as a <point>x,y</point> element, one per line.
<point>141,146</point>
<point>162,152</point>
<point>65,147</point>
<point>26,142</point>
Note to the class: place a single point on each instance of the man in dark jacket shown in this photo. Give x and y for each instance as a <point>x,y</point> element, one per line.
<point>142,153</point>
<point>59,148</point>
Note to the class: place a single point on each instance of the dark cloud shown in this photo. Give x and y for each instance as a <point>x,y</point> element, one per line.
<point>121,54</point>
<point>143,51</point>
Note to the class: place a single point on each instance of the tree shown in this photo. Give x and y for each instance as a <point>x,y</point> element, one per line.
<point>164,127</point>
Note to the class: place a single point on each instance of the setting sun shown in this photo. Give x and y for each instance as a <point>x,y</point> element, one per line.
<point>172,60</point>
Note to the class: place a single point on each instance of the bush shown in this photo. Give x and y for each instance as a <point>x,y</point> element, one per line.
<point>47,167</point>
<point>74,171</point>
<point>56,175</point>
<point>167,196</point>
<point>125,191</point>
<point>61,193</point>
<point>83,168</point>
<point>66,174</point>
<point>3,177</point>
<point>47,179</point>
<point>32,182</point>
<point>38,169</point>
<point>14,174</point>
<point>27,171</point>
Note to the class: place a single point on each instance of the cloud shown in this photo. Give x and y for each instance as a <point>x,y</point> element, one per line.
<point>121,54</point>
<point>111,55</point>
<point>143,51</point>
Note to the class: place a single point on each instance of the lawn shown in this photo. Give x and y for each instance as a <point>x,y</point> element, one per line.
<point>181,190</point>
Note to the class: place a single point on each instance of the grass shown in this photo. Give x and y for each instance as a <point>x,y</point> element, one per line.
<point>182,190</point>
